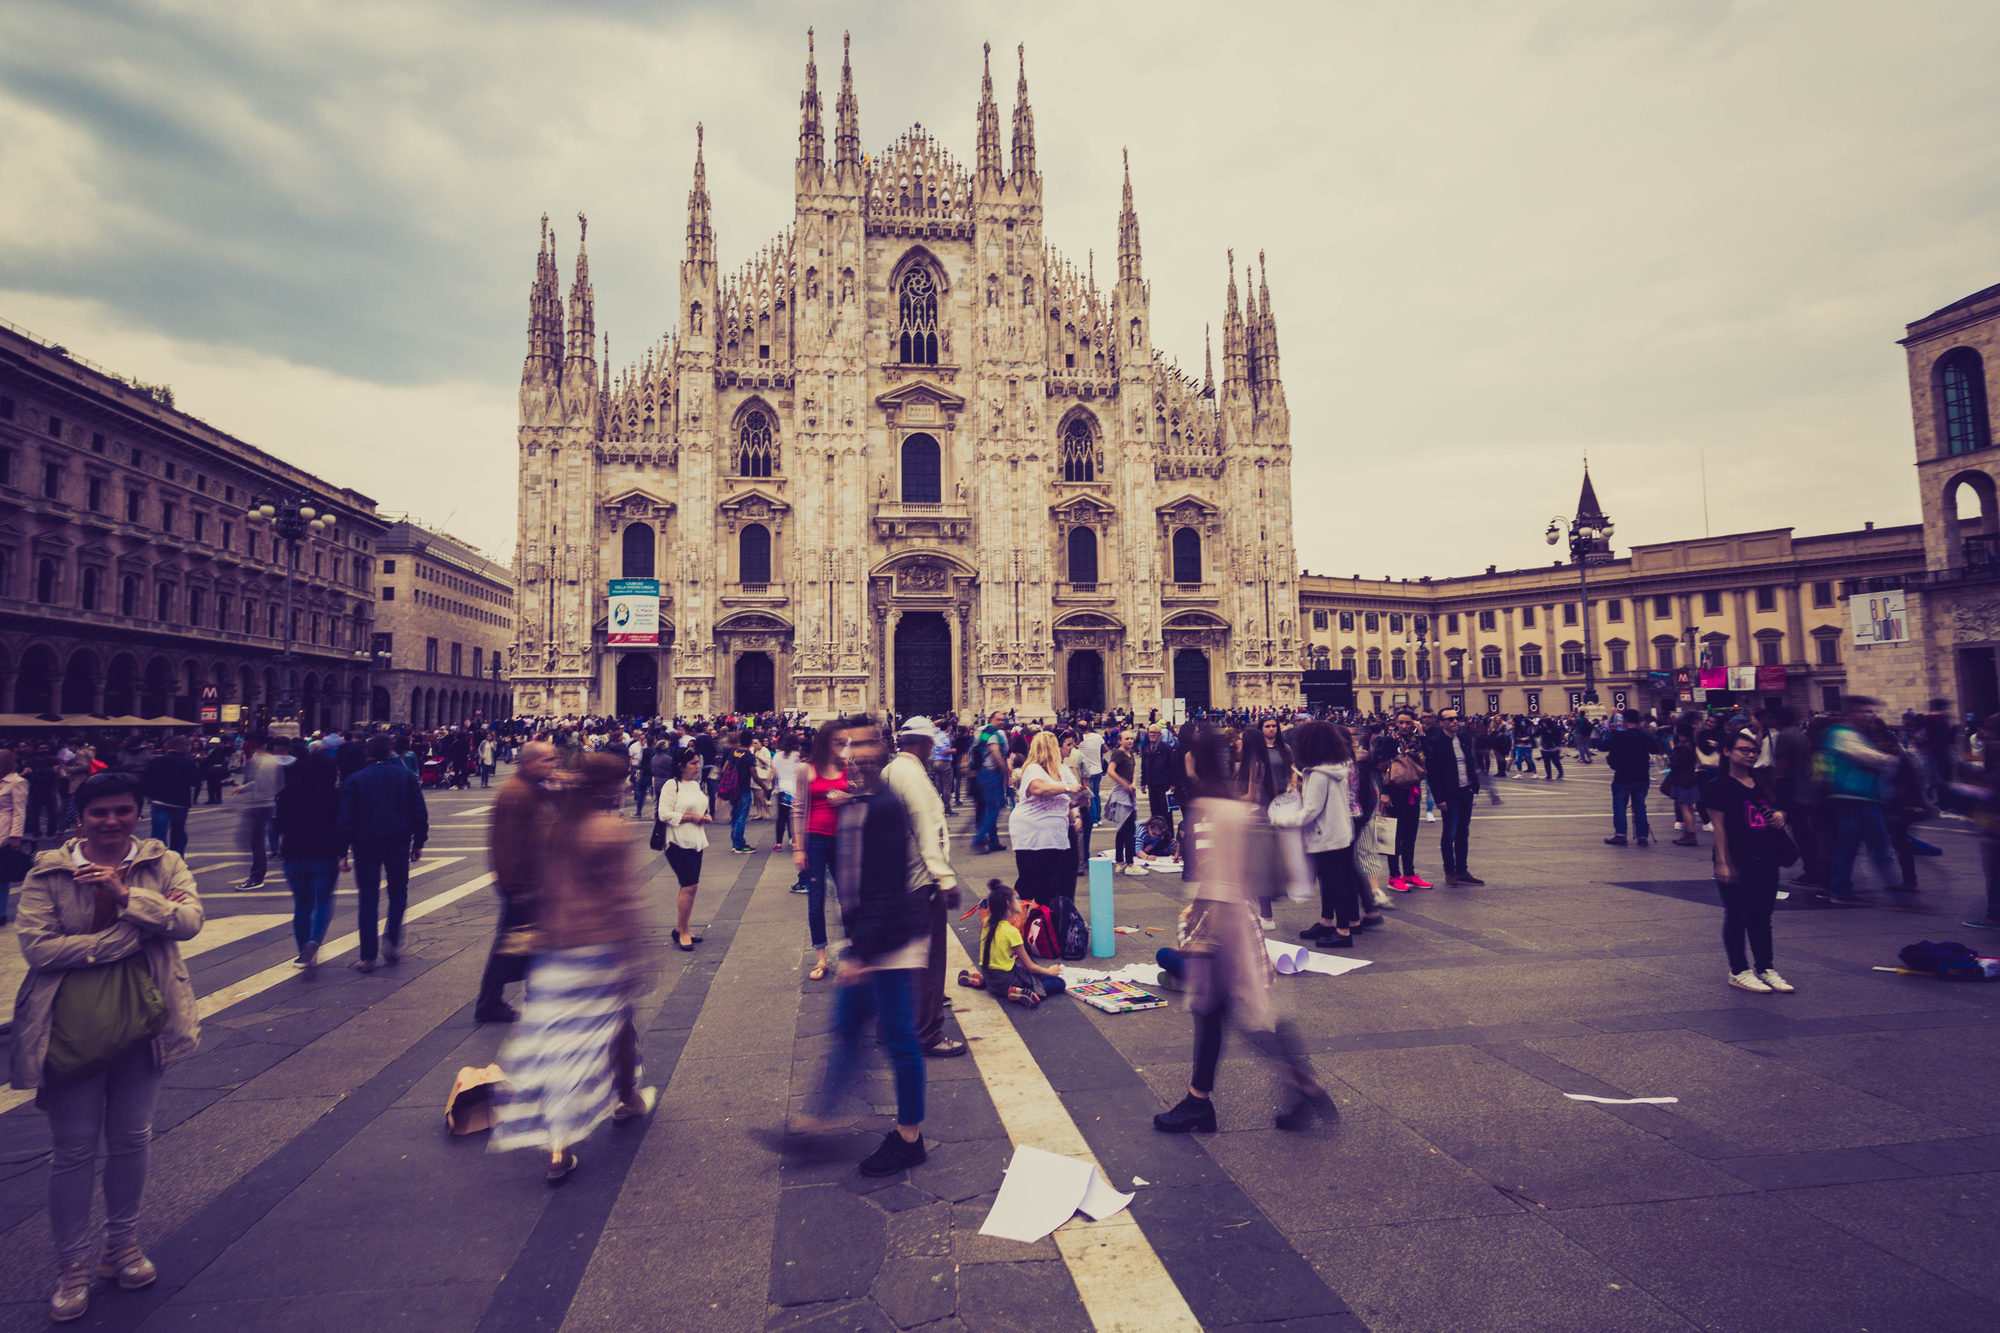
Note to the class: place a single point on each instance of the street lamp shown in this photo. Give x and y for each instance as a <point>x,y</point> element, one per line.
<point>1585,532</point>
<point>293,519</point>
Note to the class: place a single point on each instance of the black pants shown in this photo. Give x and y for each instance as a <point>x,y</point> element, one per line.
<point>502,968</point>
<point>1043,875</point>
<point>1123,844</point>
<point>930,981</point>
<point>371,859</point>
<point>1906,855</point>
<point>1339,897</point>
<point>1552,764</point>
<point>1156,799</point>
<point>1455,809</point>
<point>1281,1045</point>
<point>1403,861</point>
<point>1746,915</point>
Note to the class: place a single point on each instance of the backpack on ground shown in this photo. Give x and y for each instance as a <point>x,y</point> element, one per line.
<point>1072,932</point>
<point>1039,933</point>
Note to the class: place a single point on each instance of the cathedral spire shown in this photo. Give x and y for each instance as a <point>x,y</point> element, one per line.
<point>1024,124</point>
<point>1268,339</point>
<point>1253,329</point>
<point>987,166</point>
<point>847,132</point>
<point>545,316</point>
<point>1207,363</point>
<point>579,374</point>
<point>812,131</point>
<point>1128,231</point>
<point>701,238</point>
<point>1233,370</point>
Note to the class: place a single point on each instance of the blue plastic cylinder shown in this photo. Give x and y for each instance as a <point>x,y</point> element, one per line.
<point>1103,938</point>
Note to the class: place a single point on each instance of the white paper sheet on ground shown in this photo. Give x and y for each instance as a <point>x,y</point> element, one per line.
<point>1140,1180</point>
<point>1101,1200</point>
<point>1333,967</point>
<point>1621,1101</point>
<point>1289,959</point>
<point>1139,974</point>
<point>1039,1193</point>
<point>1783,894</point>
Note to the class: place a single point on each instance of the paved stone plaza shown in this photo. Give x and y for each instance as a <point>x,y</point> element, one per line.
<point>1833,1161</point>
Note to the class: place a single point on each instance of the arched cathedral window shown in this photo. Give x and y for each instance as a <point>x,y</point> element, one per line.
<point>756,447</point>
<point>917,321</point>
<point>1078,451</point>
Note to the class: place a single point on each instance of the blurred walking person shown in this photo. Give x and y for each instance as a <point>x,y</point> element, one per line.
<point>172,777</point>
<point>1235,857</point>
<point>516,841</point>
<point>307,817</point>
<point>104,1009</point>
<point>256,797</point>
<point>817,792</point>
<point>1854,775</point>
<point>930,873</point>
<point>889,944</point>
<point>572,1061</point>
<point>14,862</point>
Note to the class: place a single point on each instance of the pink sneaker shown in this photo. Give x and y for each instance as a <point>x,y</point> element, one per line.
<point>1399,884</point>
<point>1418,883</point>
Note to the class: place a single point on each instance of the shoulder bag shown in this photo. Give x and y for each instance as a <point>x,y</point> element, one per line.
<point>99,1014</point>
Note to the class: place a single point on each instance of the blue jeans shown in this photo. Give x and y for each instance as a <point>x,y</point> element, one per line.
<point>1096,799</point>
<point>819,856</point>
<point>739,815</point>
<point>1633,790</point>
<point>992,791</point>
<point>891,995</point>
<point>1861,822</point>
<point>312,899</point>
<point>1524,759</point>
<point>170,825</point>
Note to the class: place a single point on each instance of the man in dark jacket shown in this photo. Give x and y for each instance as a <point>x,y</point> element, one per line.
<point>171,778</point>
<point>1451,765</point>
<point>352,756</point>
<point>1630,752</point>
<point>385,824</point>
<point>1160,774</point>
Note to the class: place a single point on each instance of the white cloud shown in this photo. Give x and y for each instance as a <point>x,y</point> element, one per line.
<point>1498,235</point>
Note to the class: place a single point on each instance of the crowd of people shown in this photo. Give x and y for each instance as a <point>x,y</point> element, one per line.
<point>1243,808</point>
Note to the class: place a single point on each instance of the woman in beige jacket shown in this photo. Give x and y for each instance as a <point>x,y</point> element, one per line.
<point>96,900</point>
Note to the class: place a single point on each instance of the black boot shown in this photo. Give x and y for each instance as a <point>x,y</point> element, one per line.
<point>1193,1115</point>
<point>1304,1109</point>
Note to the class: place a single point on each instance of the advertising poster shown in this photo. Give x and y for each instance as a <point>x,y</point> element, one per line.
<point>1878,618</point>
<point>634,617</point>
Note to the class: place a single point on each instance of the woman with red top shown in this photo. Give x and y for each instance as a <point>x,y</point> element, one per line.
<point>817,793</point>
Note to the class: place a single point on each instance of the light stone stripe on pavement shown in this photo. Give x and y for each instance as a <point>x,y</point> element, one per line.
<point>1119,1278</point>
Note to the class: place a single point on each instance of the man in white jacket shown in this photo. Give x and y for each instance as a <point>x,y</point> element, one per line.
<point>908,776</point>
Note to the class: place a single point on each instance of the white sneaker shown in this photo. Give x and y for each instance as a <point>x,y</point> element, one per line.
<point>1134,870</point>
<point>1268,923</point>
<point>1708,828</point>
<point>1747,980</point>
<point>1772,981</point>
<point>1430,816</point>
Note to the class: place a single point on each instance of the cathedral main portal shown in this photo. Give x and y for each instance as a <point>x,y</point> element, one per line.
<point>923,664</point>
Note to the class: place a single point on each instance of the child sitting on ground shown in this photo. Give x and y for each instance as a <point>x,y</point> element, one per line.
<point>1157,841</point>
<point>1009,970</point>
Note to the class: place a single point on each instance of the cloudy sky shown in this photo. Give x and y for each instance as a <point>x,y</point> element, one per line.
<point>1499,235</point>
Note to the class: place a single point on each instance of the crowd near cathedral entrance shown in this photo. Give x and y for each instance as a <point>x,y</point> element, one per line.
<point>908,455</point>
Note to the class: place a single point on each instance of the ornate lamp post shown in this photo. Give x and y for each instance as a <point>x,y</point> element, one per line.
<point>1589,533</point>
<point>292,519</point>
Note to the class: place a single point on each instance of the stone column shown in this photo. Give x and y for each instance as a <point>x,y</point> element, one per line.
<point>1743,654</point>
<point>1795,626</point>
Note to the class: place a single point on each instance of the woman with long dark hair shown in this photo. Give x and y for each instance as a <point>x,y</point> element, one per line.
<point>572,1060</point>
<point>685,809</point>
<point>817,791</point>
<point>307,818</point>
<point>1330,810</point>
<point>1232,854</point>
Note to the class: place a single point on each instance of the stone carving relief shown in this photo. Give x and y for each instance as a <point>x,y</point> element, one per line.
<point>923,576</point>
<point>1976,623</point>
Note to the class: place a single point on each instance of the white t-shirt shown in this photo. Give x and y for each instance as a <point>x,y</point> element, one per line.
<point>784,772</point>
<point>1040,823</point>
<point>1089,754</point>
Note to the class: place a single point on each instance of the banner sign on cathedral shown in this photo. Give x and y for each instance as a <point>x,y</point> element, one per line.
<point>634,618</point>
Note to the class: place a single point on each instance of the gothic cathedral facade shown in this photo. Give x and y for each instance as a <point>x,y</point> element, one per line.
<point>907,458</point>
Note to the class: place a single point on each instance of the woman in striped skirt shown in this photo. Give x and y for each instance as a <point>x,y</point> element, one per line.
<point>573,1058</point>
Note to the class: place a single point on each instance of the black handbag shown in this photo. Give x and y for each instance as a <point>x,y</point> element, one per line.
<point>659,838</point>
